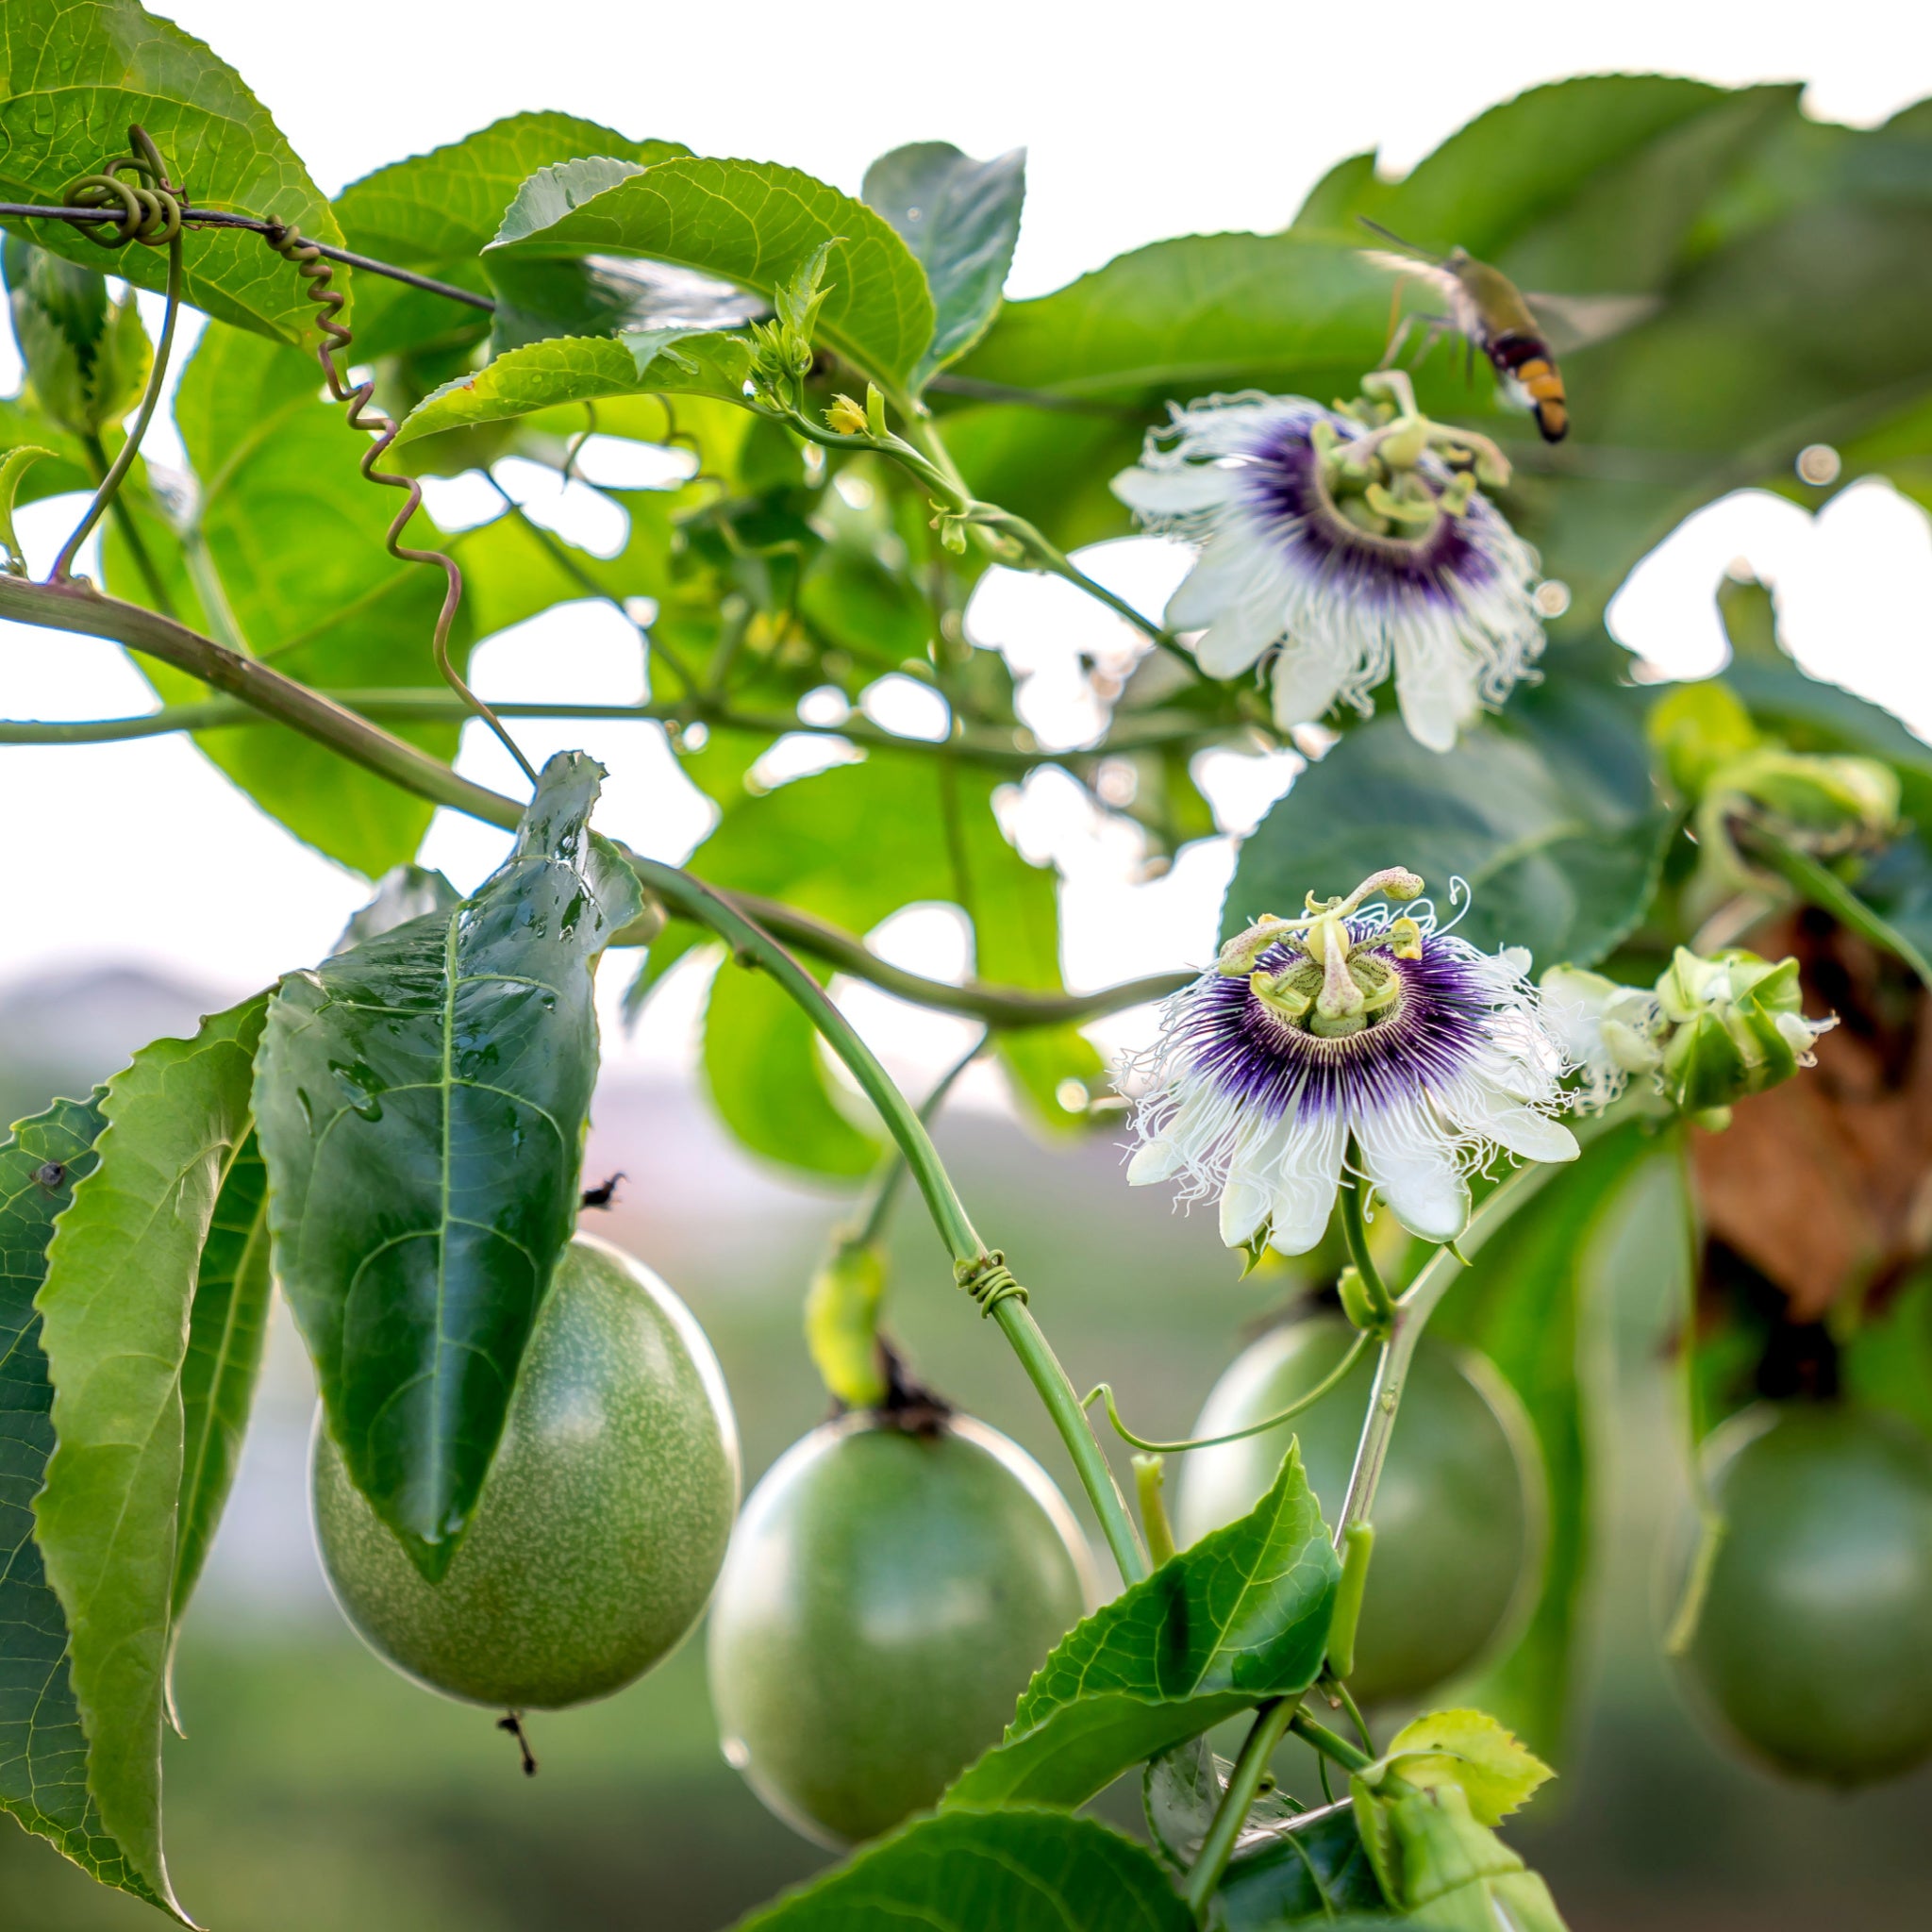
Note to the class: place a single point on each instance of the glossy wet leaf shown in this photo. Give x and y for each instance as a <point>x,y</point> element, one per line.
<point>1529,1305</point>
<point>753,224</point>
<point>42,1747</point>
<point>1551,818</point>
<point>960,219</point>
<point>1239,1617</point>
<point>78,72</point>
<point>421,1105</point>
<point>585,369</point>
<point>226,1330</point>
<point>122,1274</point>
<point>966,1871</point>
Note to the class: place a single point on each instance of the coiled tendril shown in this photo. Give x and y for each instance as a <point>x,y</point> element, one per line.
<point>318,275</point>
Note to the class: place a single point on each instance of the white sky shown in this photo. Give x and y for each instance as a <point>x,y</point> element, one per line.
<point>1141,121</point>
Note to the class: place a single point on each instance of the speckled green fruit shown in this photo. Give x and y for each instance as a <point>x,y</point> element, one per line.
<point>887,1598</point>
<point>1814,1645</point>
<point>1459,1514</point>
<point>602,1524</point>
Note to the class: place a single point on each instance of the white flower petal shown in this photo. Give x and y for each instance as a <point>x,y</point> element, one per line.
<point>1177,491</point>
<point>1306,1179</point>
<point>1435,687</point>
<point>1412,1161</point>
<point>1308,678</point>
<point>1499,1117</point>
<point>1243,1207</point>
<point>1154,1160</point>
<point>1228,571</point>
<point>1239,634</point>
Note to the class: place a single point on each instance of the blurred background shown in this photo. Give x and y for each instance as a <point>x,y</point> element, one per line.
<point>316,1790</point>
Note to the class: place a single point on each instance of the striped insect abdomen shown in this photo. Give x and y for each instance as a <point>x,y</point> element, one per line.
<point>1527,360</point>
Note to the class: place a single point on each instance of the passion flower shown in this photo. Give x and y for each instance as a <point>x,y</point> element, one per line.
<point>1348,1028</point>
<point>1348,542</point>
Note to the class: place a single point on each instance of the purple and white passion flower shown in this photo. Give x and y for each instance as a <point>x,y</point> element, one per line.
<point>1348,542</point>
<point>1348,1039</point>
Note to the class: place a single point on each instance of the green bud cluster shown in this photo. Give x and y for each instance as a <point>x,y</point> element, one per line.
<point>1377,483</point>
<point>1736,1029</point>
<point>781,355</point>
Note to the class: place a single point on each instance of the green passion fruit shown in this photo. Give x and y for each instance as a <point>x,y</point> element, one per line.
<point>1459,1514</point>
<point>887,1595</point>
<point>603,1520</point>
<point>1814,1646</point>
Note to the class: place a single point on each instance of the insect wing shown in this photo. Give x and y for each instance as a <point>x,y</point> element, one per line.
<point>1569,323</point>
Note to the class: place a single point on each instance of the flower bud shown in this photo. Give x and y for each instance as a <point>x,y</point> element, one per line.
<point>846,417</point>
<point>1736,1029</point>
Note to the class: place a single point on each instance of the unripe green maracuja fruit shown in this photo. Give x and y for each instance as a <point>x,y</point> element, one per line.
<point>1460,1512</point>
<point>1813,1643</point>
<point>602,1523</point>
<point>887,1595</point>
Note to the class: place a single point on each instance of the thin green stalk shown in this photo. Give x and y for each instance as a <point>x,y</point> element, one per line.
<point>1150,1477</point>
<point>1103,1392</point>
<point>1356,1234</point>
<point>869,1223</point>
<point>130,530</point>
<point>1329,1743</point>
<point>1271,1722</point>
<point>751,944</point>
<point>110,483</point>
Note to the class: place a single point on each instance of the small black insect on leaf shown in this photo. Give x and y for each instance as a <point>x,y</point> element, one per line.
<point>51,1174</point>
<point>603,1195</point>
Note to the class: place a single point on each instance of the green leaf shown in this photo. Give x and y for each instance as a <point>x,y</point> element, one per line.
<point>13,466</point>
<point>751,223</point>
<point>86,357</point>
<point>927,832</point>
<point>1554,824</point>
<point>1308,1869</point>
<point>74,75</point>
<point>283,559</point>
<point>1241,1616</point>
<point>1470,1748</point>
<point>972,1871</point>
<point>421,1102</point>
<point>765,1077</point>
<point>42,1747</point>
<point>115,1314</point>
<point>1289,1865</point>
<point>410,891</point>
<point>225,1332</point>
<point>1445,1869</point>
<point>1528,1305</point>
<point>960,219</point>
<point>585,369</point>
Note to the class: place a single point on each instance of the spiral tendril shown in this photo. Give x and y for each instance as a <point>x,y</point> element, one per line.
<point>988,1280</point>
<point>317,276</point>
<point>149,212</point>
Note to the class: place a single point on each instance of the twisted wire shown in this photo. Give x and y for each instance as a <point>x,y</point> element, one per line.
<point>317,276</point>
<point>988,1280</point>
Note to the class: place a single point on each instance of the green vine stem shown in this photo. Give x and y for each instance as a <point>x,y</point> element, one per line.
<point>874,1209</point>
<point>753,945</point>
<point>1272,1722</point>
<point>995,750</point>
<point>130,447</point>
